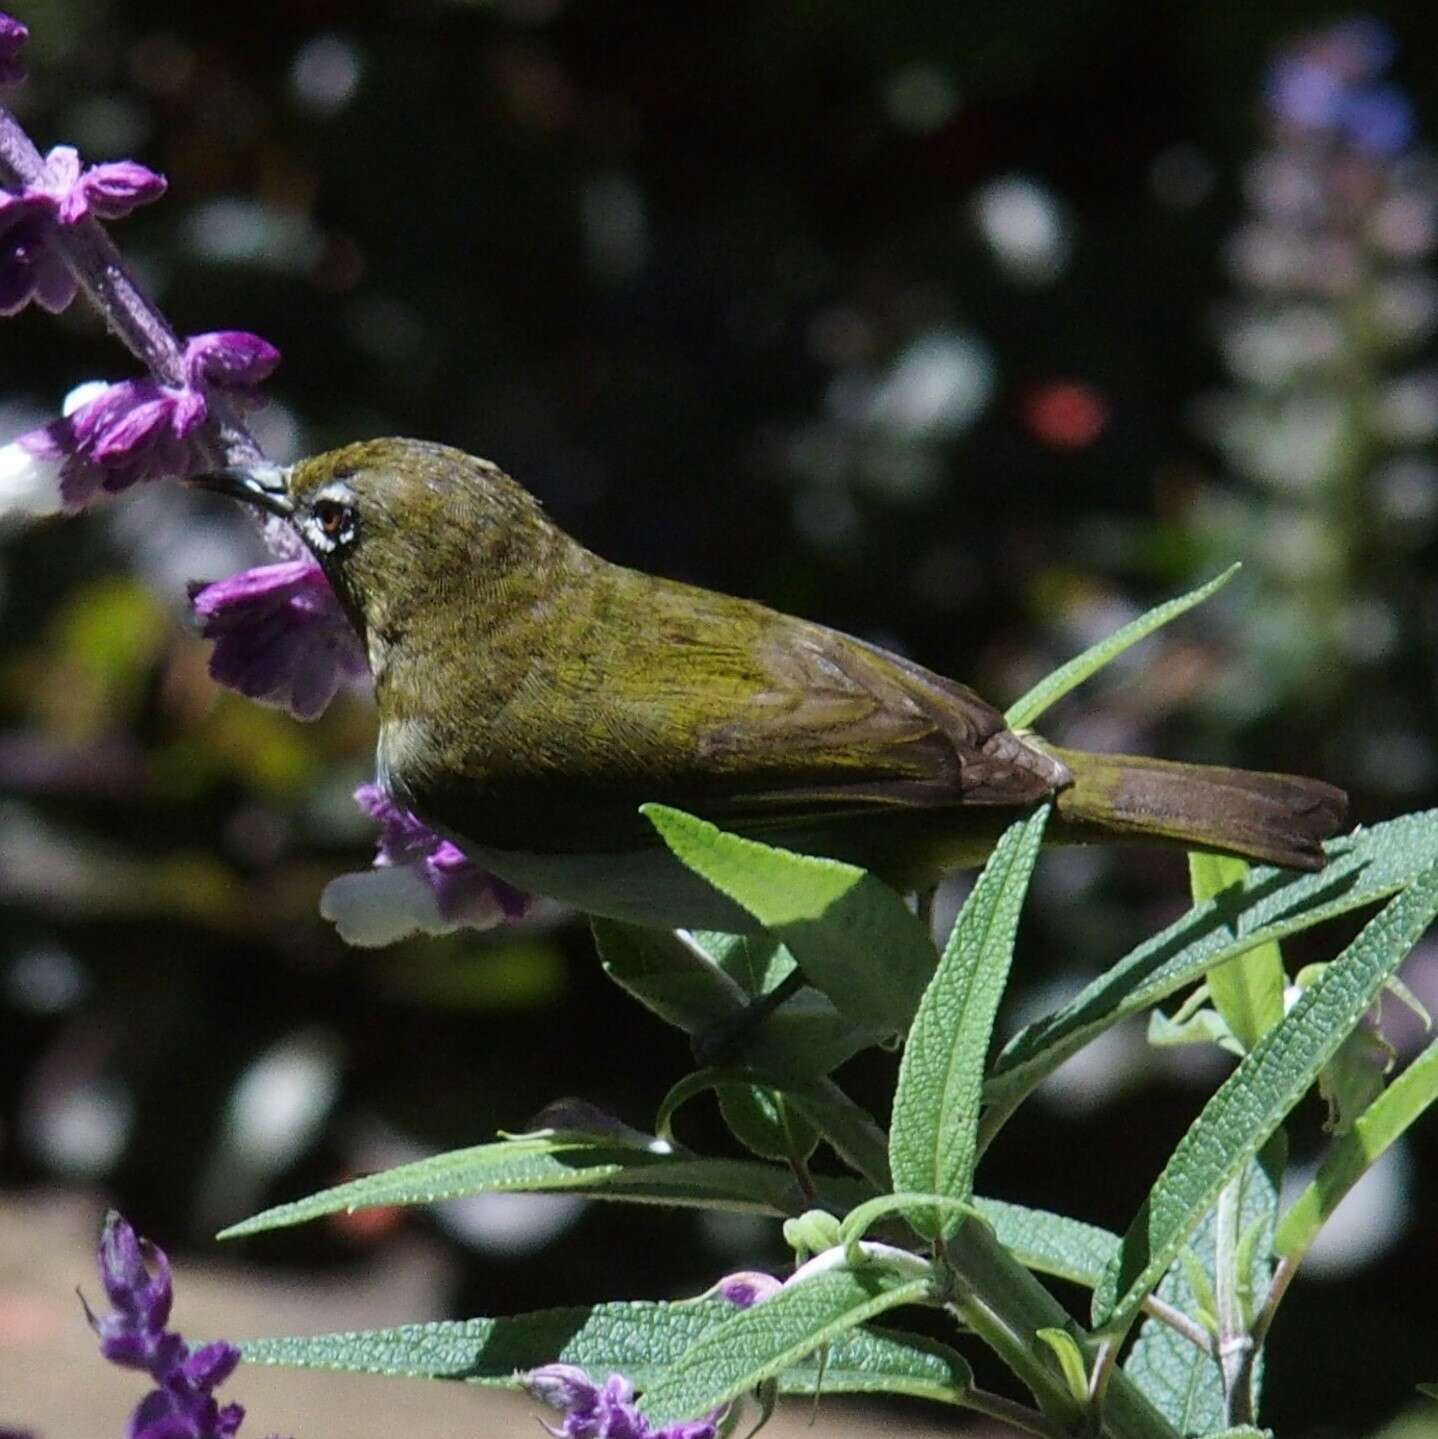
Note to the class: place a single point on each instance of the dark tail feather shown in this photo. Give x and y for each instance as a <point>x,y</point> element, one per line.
<point>1279,819</point>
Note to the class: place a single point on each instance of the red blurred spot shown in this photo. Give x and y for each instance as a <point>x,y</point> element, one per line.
<point>1065,414</point>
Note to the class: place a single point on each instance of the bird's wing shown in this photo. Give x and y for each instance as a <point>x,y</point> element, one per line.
<point>748,712</point>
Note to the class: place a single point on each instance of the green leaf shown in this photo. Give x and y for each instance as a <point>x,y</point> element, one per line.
<point>1185,1384</point>
<point>1050,1243</point>
<point>1049,691</point>
<point>854,937</point>
<point>765,1341</point>
<point>1066,1351</point>
<point>1247,990</point>
<point>933,1143</point>
<point>694,981</point>
<point>1203,1026</point>
<point>1362,868</point>
<point>848,1129</point>
<point>1252,1102</point>
<point>764,1122</point>
<point>1349,1157</point>
<point>634,1339</point>
<point>532,1164</point>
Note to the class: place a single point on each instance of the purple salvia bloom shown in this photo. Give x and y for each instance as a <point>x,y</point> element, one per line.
<point>747,1288</point>
<point>71,191</point>
<point>230,358</point>
<point>13,35</point>
<point>140,429</point>
<point>136,1278</point>
<point>606,1411</point>
<point>30,267</point>
<point>280,636</point>
<point>420,881</point>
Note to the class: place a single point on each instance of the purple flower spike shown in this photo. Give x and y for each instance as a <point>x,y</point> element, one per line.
<point>136,1277</point>
<point>592,1411</point>
<point>280,636</point>
<point>13,35</point>
<point>420,881</point>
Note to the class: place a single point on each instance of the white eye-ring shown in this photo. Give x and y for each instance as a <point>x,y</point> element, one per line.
<point>330,524</point>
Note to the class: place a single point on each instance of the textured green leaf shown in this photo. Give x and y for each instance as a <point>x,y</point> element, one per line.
<point>618,1172</point>
<point>1049,691</point>
<point>1414,1090</point>
<point>1065,1350</point>
<point>1247,990</point>
<point>933,1141</point>
<point>1252,1102</point>
<point>695,981</point>
<point>1185,1384</point>
<point>765,1341</point>
<point>854,937</point>
<point>634,1339</point>
<point>1363,868</point>
<point>1050,1243</point>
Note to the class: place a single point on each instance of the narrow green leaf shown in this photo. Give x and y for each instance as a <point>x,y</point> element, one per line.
<point>1364,867</point>
<point>634,1339</point>
<point>1203,1026</point>
<point>1248,989</point>
<point>1252,1102</point>
<point>765,1341</point>
<point>854,937</point>
<point>848,1129</point>
<point>694,981</point>
<point>1414,1090</point>
<point>1184,1383</point>
<point>617,1172</point>
<point>933,1142</point>
<point>1069,676</point>
<point>1050,1243</point>
<point>1070,1358</point>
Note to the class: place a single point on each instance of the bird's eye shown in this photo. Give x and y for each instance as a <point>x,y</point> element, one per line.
<point>332,517</point>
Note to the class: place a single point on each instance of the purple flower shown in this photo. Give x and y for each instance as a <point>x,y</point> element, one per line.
<point>420,881</point>
<point>13,36</point>
<point>31,267</point>
<point>280,636</point>
<point>747,1288</point>
<point>143,430</point>
<point>593,1411</point>
<point>136,1278</point>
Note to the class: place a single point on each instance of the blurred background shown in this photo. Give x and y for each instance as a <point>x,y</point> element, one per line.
<point>970,329</point>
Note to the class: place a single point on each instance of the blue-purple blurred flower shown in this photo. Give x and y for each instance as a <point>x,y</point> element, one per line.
<point>13,35</point>
<point>136,1278</point>
<point>280,636</point>
<point>420,882</point>
<point>139,429</point>
<point>607,1411</point>
<point>1330,83</point>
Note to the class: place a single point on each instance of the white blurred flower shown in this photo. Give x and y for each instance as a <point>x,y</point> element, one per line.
<point>936,388</point>
<point>1025,226</point>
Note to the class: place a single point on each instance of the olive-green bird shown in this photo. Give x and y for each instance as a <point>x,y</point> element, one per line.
<point>532,696</point>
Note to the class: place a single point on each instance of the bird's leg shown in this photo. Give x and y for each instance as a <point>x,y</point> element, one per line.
<point>723,1041</point>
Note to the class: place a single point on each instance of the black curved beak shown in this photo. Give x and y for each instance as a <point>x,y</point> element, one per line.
<point>262,485</point>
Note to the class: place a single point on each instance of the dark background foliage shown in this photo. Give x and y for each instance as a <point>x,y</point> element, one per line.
<point>681,268</point>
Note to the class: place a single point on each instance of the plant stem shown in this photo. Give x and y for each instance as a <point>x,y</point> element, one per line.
<point>1006,1307</point>
<point>1177,1320</point>
<point>1235,1347</point>
<point>131,315</point>
<point>1010,1411</point>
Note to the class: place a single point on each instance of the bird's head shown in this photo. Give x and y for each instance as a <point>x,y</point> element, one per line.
<point>399,525</point>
